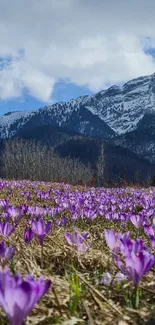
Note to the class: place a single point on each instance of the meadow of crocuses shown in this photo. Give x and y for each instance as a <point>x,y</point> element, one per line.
<point>76,255</point>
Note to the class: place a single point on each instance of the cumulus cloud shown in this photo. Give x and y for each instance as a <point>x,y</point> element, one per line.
<point>87,42</point>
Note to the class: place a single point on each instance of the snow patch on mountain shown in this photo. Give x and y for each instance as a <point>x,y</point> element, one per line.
<point>123,107</point>
<point>8,121</point>
<point>120,107</point>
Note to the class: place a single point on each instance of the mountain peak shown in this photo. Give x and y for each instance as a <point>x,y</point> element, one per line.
<point>117,109</point>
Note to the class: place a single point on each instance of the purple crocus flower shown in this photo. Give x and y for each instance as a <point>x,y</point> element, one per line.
<point>5,216</point>
<point>152,240</point>
<point>106,279</point>
<point>41,229</point>
<point>132,246</point>
<point>6,253</point>
<point>18,296</point>
<point>119,277</point>
<point>137,220</point>
<point>28,235</point>
<point>77,240</point>
<point>9,252</point>
<point>136,266</point>
<point>149,230</point>
<point>62,221</point>
<point>6,229</point>
<point>15,213</point>
<point>4,203</point>
<point>2,249</point>
<point>123,239</point>
<point>112,239</point>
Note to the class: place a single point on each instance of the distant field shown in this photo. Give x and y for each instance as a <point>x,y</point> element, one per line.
<point>94,233</point>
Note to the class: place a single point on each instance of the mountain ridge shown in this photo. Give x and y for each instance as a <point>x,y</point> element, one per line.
<point>117,114</point>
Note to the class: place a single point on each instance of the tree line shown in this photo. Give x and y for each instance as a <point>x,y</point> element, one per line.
<point>33,160</point>
<point>28,159</point>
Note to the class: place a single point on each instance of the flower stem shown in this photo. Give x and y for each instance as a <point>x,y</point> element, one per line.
<point>42,256</point>
<point>136,296</point>
<point>137,233</point>
<point>12,266</point>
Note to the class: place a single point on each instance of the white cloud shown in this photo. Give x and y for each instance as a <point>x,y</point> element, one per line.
<point>90,43</point>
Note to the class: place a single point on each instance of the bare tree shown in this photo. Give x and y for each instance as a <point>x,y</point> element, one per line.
<point>23,159</point>
<point>100,166</point>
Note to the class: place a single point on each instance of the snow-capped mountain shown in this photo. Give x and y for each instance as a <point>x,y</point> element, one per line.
<point>123,107</point>
<point>73,115</point>
<point>112,114</point>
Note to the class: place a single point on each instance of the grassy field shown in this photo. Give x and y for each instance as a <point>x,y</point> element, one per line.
<point>79,294</point>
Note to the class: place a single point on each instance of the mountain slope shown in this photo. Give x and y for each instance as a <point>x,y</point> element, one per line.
<point>122,115</point>
<point>142,140</point>
<point>75,117</point>
<point>123,107</point>
<point>48,135</point>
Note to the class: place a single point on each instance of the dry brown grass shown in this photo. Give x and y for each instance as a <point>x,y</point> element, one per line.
<point>99,305</point>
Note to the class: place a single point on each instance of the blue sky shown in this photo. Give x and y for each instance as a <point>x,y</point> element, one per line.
<point>44,43</point>
<point>62,92</point>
